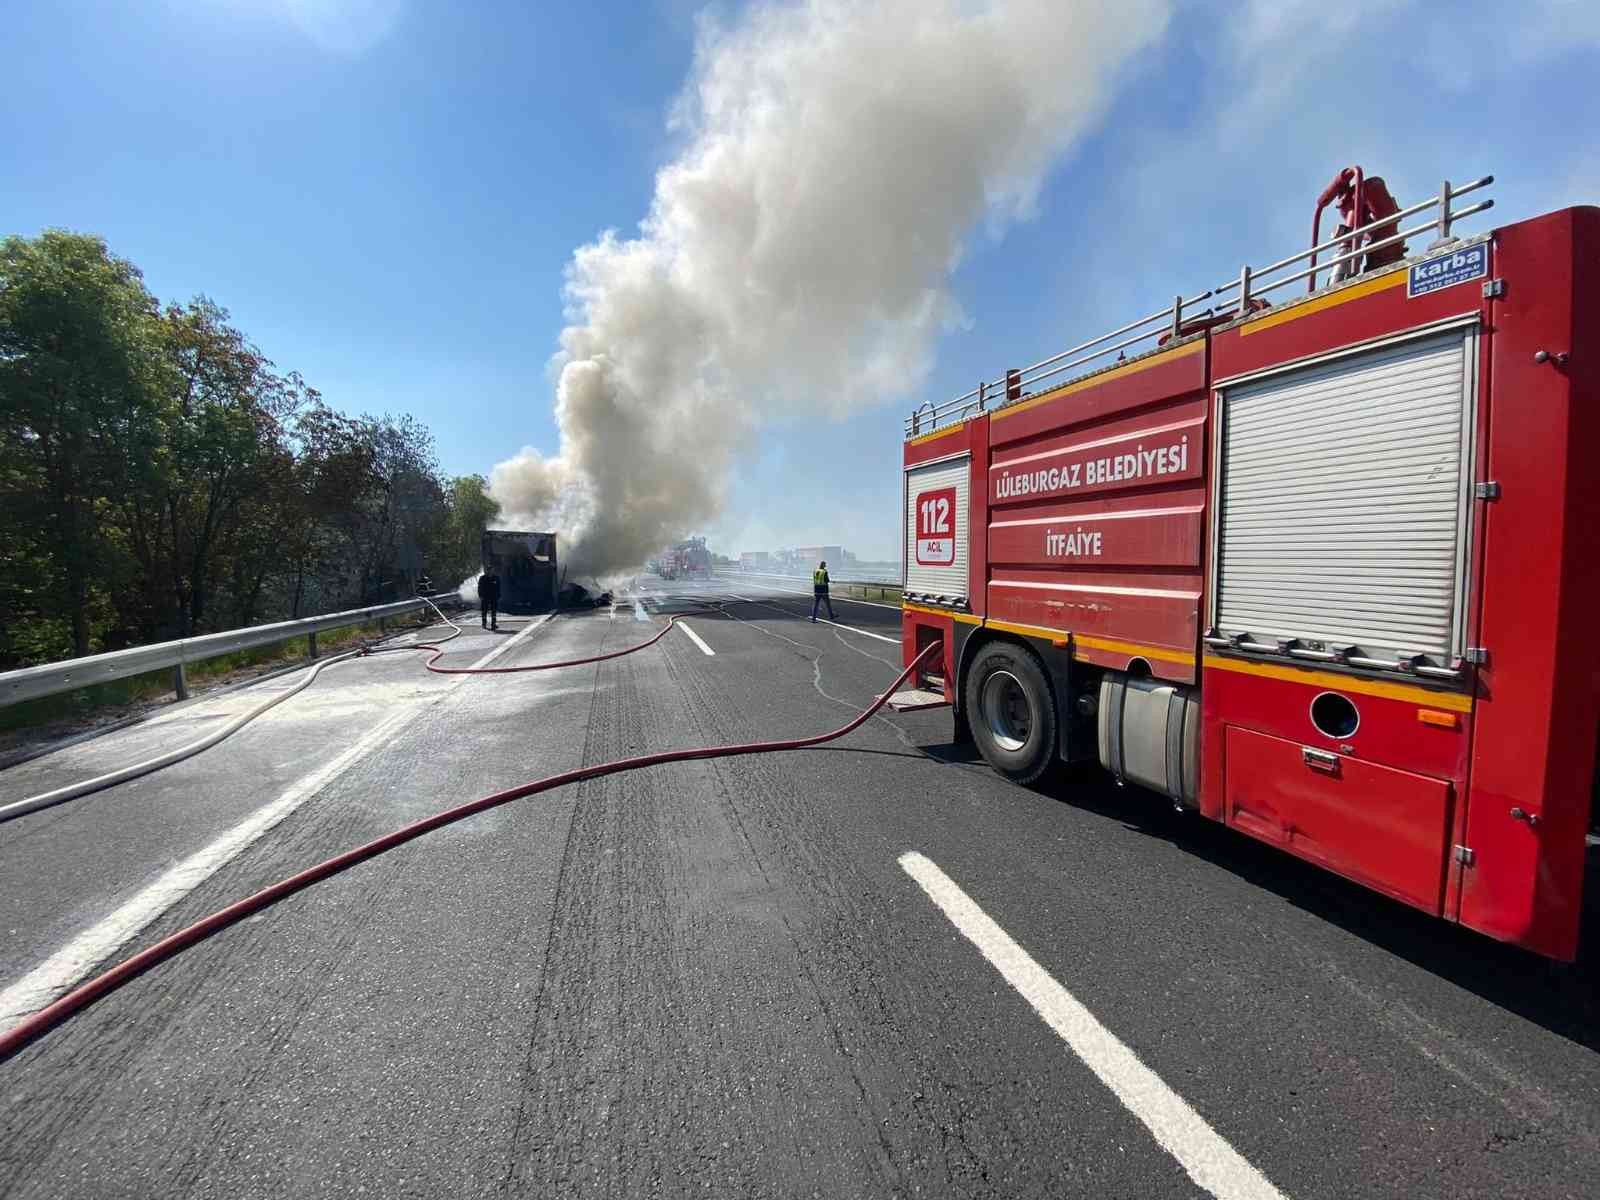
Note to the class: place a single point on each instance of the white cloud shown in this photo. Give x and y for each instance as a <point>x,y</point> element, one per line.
<point>344,26</point>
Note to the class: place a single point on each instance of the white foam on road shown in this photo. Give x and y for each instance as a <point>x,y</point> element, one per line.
<point>1202,1152</point>
<point>70,964</point>
<point>695,638</point>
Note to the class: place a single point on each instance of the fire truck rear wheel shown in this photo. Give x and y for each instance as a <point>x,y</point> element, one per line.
<point>1012,711</point>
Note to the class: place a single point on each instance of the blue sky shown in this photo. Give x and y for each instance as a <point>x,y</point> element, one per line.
<point>386,193</point>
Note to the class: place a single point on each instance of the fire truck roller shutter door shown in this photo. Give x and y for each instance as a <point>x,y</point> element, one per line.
<point>936,532</point>
<point>1345,498</point>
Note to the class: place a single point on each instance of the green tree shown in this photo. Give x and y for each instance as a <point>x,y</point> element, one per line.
<point>332,475</point>
<point>460,548</point>
<point>401,511</point>
<point>81,414</point>
<point>226,408</point>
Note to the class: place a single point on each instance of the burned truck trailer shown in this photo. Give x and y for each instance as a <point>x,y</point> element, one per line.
<point>526,564</point>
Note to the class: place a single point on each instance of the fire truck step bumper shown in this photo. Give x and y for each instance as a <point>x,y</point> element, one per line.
<point>917,699</point>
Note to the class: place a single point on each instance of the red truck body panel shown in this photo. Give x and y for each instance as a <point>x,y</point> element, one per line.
<point>1091,525</point>
<point>1096,512</point>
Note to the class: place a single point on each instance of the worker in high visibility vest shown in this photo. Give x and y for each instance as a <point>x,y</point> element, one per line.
<point>819,592</point>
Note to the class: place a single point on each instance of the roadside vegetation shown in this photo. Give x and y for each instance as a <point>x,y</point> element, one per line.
<point>160,477</point>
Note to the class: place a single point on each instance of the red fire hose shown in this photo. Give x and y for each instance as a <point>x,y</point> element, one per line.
<point>61,795</point>
<point>437,649</point>
<point>80,998</point>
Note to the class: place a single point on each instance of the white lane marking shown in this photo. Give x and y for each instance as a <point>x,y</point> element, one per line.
<point>1202,1152</point>
<point>783,591</point>
<point>695,638</point>
<point>862,632</point>
<point>822,621</point>
<point>68,965</point>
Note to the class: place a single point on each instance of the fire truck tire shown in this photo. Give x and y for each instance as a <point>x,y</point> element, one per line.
<point>1012,711</point>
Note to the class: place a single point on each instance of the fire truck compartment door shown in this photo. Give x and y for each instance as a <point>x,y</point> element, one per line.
<point>1383,827</point>
<point>1344,502</point>
<point>937,528</point>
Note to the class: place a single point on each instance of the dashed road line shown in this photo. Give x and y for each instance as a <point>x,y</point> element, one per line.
<point>1202,1152</point>
<point>821,621</point>
<point>695,638</point>
<point>783,591</point>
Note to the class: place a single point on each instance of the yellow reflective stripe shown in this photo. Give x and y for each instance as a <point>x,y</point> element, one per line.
<point>1026,630</point>
<point>1133,368</point>
<point>928,437</point>
<point>1110,645</point>
<point>964,618</point>
<point>1454,701</point>
<point>1116,647</point>
<point>1354,292</point>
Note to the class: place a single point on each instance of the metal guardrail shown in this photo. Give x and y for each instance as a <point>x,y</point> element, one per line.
<point>833,581</point>
<point>30,683</point>
<point>1251,283</point>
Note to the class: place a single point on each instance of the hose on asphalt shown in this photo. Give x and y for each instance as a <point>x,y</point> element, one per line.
<point>102,985</point>
<point>73,791</point>
<point>433,658</point>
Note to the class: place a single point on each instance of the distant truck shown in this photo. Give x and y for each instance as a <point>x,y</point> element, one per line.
<point>526,564</point>
<point>684,560</point>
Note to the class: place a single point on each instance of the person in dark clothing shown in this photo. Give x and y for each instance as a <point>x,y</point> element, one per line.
<point>819,591</point>
<point>489,598</point>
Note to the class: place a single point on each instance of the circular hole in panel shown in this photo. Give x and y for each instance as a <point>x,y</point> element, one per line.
<point>1334,715</point>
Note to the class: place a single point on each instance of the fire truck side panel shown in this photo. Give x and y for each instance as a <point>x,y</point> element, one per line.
<point>1534,747</point>
<point>1301,515</point>
<point>1378,825</point>
<point>920,623</point>
<point>1347,520</point>
<point>1096,514</point>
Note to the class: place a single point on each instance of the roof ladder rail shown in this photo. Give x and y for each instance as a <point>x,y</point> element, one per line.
<point>1348,248</point>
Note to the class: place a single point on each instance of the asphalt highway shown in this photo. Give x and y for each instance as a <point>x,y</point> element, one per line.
<point>867,969</point>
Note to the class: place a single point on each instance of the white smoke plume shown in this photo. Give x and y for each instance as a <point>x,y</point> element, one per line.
<point>836,156</point>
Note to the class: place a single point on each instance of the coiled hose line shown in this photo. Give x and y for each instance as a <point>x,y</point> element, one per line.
<point>81,997</point>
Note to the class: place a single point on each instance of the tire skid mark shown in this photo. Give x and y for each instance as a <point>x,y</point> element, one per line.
<point>875,1009</point>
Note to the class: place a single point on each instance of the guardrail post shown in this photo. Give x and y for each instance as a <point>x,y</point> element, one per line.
<point>1013,384</point>
<point>311,644</point>
<point>180,681</point>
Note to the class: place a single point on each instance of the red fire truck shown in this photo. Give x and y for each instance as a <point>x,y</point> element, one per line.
<point>1321,566</point>
<point>686,560</point>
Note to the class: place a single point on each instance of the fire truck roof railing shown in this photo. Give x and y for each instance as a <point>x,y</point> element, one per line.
<point>1252,282</point>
